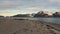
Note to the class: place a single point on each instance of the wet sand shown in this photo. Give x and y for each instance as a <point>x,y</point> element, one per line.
<point>12,26</point>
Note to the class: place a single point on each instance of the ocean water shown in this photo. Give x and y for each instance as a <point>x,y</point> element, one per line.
<point>51,20</point>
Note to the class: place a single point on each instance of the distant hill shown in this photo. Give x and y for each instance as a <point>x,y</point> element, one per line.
<point>56,14</point>
<point>39,14</point>
<point>1,16</point>
<point>23,15</point>
<point>43,14</point>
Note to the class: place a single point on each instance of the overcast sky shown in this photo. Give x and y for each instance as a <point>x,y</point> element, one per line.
<point>11,7</point>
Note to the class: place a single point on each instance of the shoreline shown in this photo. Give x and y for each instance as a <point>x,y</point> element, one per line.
<point>49,24</point>
<point>14,26</point>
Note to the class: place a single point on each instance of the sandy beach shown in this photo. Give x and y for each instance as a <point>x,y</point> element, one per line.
<point>12,26</point>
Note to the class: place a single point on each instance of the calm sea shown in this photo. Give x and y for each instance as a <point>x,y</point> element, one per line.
<point>51,20</point>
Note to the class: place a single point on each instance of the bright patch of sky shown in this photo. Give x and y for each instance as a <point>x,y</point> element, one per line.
<point>12,7</point>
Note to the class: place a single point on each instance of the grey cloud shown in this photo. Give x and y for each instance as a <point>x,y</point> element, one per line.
<point>10,4</point>
<point>13,4</point>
